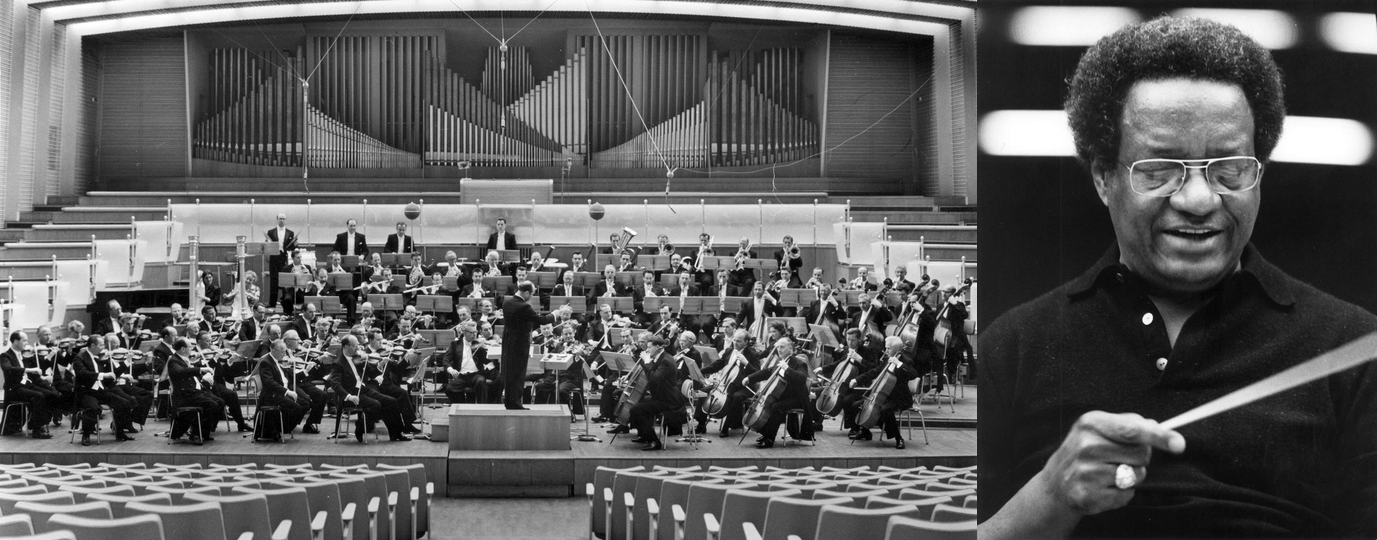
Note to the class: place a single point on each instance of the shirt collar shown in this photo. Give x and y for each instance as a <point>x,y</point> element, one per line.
<point>1255,270</point>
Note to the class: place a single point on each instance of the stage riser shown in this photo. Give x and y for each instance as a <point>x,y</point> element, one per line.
<point>41,252</point>
<point>112,215</point>
<point>268,198</point>
<point>114,232</point>
<point>916,218</point>
<point>934,234</point>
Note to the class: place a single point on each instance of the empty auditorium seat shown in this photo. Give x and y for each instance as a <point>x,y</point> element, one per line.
<point>143,527</point>
<point>40,512</point>
<point>907,528</point>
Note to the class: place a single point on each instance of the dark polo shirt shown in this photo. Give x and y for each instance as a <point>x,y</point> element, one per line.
<point>1299,463</point>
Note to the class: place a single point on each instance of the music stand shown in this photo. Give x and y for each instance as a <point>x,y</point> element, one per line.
<point>799,324</point>
<point>652,304</point>
<point>734,303</point>
<point>822,337</point>
<point>628,279</point>
<point>797,297</point>
<point>328,305</point>
<point>849,297</point>
<point>577,303</point>
<point>471,303</point>
<point>496,283</point>
<point>694,305</point>
<point>669,280</point>
<point>655,262</point>
<point>618,361</point>
<point>769,265</point>
<point>696,375</point>
<point>247,349</point>
<point>709,354</point>
<point>341,281</point>
<point>451,283</point>
<point>398,282</point>
<point>441,339</point>
<point>619,303</point>
<point>587,280</point>
<point>349,262</point>
<point>427,303</point>
<point>542,280</point>
<point>586,436</point>
<point>601,260</point>
<point>396,259</point>
<point>509,255</point>
<point>292,280</point>
<point>894,299</point>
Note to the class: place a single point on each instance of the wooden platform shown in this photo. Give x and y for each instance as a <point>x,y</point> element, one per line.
<point>486,426</point>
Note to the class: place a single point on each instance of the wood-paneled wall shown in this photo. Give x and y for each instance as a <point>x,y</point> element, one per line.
<point>143,109</point>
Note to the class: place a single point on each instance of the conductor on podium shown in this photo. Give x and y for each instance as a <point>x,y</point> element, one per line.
<point>520,320</point>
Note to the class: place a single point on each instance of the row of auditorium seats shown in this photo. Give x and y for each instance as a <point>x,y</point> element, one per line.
<point>217,502</point>
<point>748,503</point>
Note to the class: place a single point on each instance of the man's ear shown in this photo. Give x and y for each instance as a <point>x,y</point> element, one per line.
<point>1100,173</point>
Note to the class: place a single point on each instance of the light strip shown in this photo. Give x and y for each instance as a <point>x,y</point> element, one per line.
<point>370,7</point>
<point>1304,139</point>
<point>1270,28</point>
<point>1350,32</point>
<point>1062,26</point>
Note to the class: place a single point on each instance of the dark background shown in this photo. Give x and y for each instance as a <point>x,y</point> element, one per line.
<point>1041,223</point>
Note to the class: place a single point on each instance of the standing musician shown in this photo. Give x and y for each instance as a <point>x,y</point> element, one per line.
<point>353,381</point>
<point>501,239</point>
<point>740,354</point>
<point>795,394</point>
<point>303,377</point>
<point>755,310</point>
<point>351,242</point>
<point>900,398</point>
<point>520,320</point>
<point>227,366</point>
<point>249,292</point>
<point>399,242</point>
<point>286,243</point>
<point>187,392</point>
<point>206,290</point>
<point>866,357</point>
<point>276,388</point>
<point>92,377</point>
<point>662,393</point>
<point>468,365</point>
<point>790,256</point>
<point>25,382</point>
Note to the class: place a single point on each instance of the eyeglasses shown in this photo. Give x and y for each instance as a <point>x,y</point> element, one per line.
<point>1164,177</point>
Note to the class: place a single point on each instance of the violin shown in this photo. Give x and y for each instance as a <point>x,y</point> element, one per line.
<point>878,395</point>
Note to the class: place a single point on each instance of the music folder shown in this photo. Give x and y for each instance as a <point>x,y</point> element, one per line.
<point>434,303</point>
<point>496,283</point>
<point>652,304</point>
<point>542,280</point>
<point>292,280</point>
<point>341,280</point>
<point>396,259</point>
<point>823,335</point>
<point>577,303</point>
<point>148,345</point>
<point>451,283</point>
<point>509,255</point>
<point>623,304</point>
<point>247,349</point>
<point>694,373</point>
<point>349,262</point>
<point>560,361</point>
<point>618,361</point>
<point>655,262</point>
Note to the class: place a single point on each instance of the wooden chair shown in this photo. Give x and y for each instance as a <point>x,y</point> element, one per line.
<point>40,512</point>
<point>144,527</point>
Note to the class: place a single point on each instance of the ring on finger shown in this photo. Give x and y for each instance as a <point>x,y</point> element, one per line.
<point>1124,477</point>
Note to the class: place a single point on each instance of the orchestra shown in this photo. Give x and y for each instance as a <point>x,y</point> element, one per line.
<point>709,340</point>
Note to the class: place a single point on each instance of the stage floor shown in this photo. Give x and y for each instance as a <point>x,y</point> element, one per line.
<point>520,474</point>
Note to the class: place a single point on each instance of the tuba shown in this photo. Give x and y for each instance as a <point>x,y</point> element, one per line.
<point>623,242</point>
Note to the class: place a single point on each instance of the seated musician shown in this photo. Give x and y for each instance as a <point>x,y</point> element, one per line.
<point>900,398</point>
<point>676,265</point>
<point>305,377</point>
<point>95,383</point>
<point>347,297</point>
<point>795,393</point>
<point>784,279</point>
<point>292,296</point>
<point>826,310</point>
<point>367,317</point>
<point>415,274</point>
<point>461,314</point>
<point>626,264</point>
<point>127,375</point>
<point>576,263</point>
<point>611,392</point>
<point>25,382</point>
<point>721,337</point>
<point>815,281</point>
<point>662,394</point>
<point>226,367</point>
<point>901,282</point>
<point>756,309</point>
<point>57,361</point>
<point>869,316</point>
<point>518,277</point>
<point>862,281</point>
<point>129,336</point>
<point>740,354</point>
<point>276,389</point>
<point>487,337</point>
<point>957,314</point>
<point>493,266</point>
<point>355,380</point>
<point>487,313</point>
<point>566,286</point>
<point>188,390</point>
<point>207,290</point>
<point>395,368</point>
<point>563,316</point>
<point>663,246</point>
<point>320,285</point>
<point>305,323</point>
<point>536,264</point>
<point>374,267</point>
<point>682,348</point>
<point>463,280</point>
<point>789,257</point>
<point>176,314</point>
<point>740,278</point>
<point>566,380</point>
<point>467,364</point>
<point>608,287</point>
<point>865,357</point>
<point>111,322</point>
<point>648,289</point>
<point>665,322</point>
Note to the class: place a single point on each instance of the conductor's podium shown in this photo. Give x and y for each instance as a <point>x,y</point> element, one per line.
<point>490,426</point>
<point>494,452</point>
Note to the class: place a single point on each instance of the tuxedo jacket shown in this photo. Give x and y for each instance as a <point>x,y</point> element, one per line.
<point>492,241</point>
<point>405,245</point>
<point>560,290</point>
<point>13,367</point>
<point>601,288</point>
<point>288,245</point>
<point>360,244</point>
<point>746,317</point>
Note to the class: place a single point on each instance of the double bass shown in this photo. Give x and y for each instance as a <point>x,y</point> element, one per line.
<point>878,395</point>
<point>941,336</point>
<point>636,382</point>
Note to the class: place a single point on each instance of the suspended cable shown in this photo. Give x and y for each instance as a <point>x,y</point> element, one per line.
<point>637,109</point>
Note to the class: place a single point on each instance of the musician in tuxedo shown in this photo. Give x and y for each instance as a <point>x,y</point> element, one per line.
<point>291,296</point>
<point>862,281</point>
<point>684,287</point>
<point>94,388</point>
<point>682,349</point>
<point>663,247</point>
<point>721,336</point>
<point>351,242</point>
<point>662,393</point>
<point>502,240</point>
<point>462,277</point>
<point>609,285</point>
<point>306,381</point>
<point>374,267</point>
<point>576,263</point>
<point>162,352</point>
<point>611,393</point>
<point>276,389</point>
<point>794,396</point>
<point>415,277</point>
<point>37,392</point>
<point>756,309</point>
<point>866,357</point>
<point>869,316</point>
<point>286,242</point>
<point>563,317</point>
<point>649,288</point>
<point>227,367</point>
<point>566,380</point>
<point>900,398</point>
<point>187,391</point>
<point>740,354</point>
<point>566,286</point>
<point>664,321</point>
<point>520,276</point>
<point>399,242</point>
<point>253,323</point>
<point>520,320</point>
<point>111,323</point>
<point>596,334</point>
<point>466,362</point>
<point>537,263</point>
<point>784,258</point>
<point>391,378</point>
<point>487,313</point>
<point>305,323</point>
<point>493,266</point>
<point>58,361</point>
<point>826,310</point>
<point>901,282</point>
<point>960,346</point>
<point>626,264</point>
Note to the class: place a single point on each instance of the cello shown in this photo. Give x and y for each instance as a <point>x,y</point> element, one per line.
<point>636,382</point>
<point>759,412</point>
<point>720,382</point>
<point>878,394</point>
<point>829,397</point>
